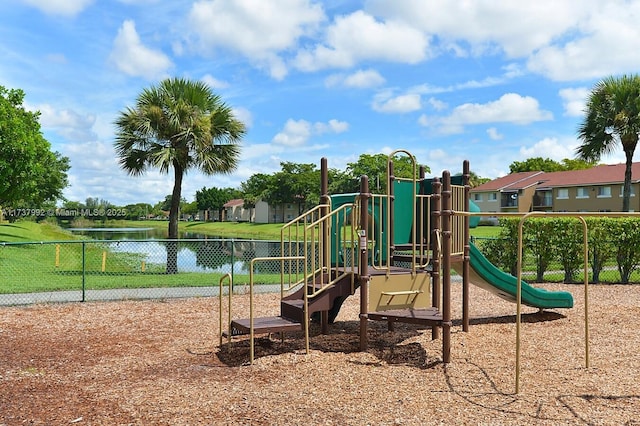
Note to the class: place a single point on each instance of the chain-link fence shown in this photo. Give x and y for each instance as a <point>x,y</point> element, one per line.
<point>549,264</point>
<point>133,269</point>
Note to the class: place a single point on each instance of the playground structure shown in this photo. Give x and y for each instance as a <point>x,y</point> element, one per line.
<point>396,249</point>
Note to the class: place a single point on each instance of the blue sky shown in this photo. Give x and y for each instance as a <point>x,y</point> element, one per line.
<point>492,82</point>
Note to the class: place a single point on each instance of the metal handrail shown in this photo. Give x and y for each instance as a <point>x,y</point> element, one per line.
<point>220,295</point>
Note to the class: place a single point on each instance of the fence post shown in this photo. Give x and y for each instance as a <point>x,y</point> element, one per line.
<point>233,263</point>
<point>83,269</point>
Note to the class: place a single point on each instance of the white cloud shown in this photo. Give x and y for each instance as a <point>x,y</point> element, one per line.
<point>517,28</point>
<point>510,71</point>
<point>552,148</point>
<point>67,123</point>
<point>134,58</point>
<point>259,30</point>
<point>436,104</point>
<point>213,82</point>
<point>68,8</point>
<point>359,37</point>
<point>558,40</point>
<point>297,133</point>
<point>510,108</point>
<point>397,104</point>
<point>494,134</point>
<point>244,115</point>
<point>139,2</point>
<point>333,126</point>
<point>574,101</point>
<point>361,79</point>
<point>605,44</point>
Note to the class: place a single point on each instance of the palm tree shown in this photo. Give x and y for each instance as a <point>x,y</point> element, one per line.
<point>612,117</point>
<point>178,124</point>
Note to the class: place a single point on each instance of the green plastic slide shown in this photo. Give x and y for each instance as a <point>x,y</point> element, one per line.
<point>484,274</point>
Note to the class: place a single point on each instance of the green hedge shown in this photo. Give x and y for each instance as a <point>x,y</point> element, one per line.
<point>614,243</point>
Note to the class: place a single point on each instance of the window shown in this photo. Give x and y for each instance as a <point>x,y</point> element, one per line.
<point>563,193</point>
<point>633,190</point>
<point>604,192</point>
<point>509,199</point>
<point>477,197</point>
<point>493,196</point>
<point>582,192</point>
<point>543,199</point>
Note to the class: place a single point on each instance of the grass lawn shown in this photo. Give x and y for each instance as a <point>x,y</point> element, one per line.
<point>261,231</point>
<point>485,231</point>
<point>59,265</point>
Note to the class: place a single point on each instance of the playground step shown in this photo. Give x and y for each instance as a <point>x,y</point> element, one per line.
<point>408,257</point>
<point>330,299</point>
<point>262,325</point>
<point>422,316</point>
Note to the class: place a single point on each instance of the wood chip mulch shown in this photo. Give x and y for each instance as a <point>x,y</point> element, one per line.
<point>159,363</point>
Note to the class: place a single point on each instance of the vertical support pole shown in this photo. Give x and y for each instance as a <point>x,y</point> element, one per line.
<point>84,270</point>
<point>57,255</point>
<point>466,174</point>
<point>422,208</point>
<point>104,261</point>
<point>446,266</point>
<point>324,231</point>
<point>436,240</point>
<point>233,264</point>
<point>363,263</point>
<point>390,211</point>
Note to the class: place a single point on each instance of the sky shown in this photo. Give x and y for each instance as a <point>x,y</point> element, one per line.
<point>489,81</point>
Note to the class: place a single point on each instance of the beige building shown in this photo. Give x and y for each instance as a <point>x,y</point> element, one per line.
<point>234,211</point>
<point>598,189</point>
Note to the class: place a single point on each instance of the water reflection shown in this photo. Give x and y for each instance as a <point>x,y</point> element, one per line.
<point>196,252</point>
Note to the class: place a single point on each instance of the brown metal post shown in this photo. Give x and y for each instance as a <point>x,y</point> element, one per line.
<point>325,237</point>
<point>465,261</point>
<point>422,209</point>
<point>435,251</point>
<point>363,262</point>
<point>446,266</point>
<point>390,210</point>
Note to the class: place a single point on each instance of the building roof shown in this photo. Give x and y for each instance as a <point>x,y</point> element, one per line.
<point>234,203</point>
<point>598,175</point>
<point>511,182</point>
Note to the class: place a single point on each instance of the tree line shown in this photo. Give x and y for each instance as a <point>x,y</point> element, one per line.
<point>181,124</point>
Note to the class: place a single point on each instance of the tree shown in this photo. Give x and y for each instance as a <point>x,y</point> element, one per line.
<point>215,198</point>
<point>255,189</point>
<point>475,180</point>
<point>375,168</point>
<point>178,124</point>
<point>612,118</point>
<point>30,172</point>
<point>138,211</point>
<point>536,164</point>
<point>304,183</point>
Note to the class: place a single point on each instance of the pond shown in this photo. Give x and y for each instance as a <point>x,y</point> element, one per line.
<point>196,252</point>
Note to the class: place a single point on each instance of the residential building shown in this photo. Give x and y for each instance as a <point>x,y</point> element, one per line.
<point>598,189</point>
<point>234,210</point>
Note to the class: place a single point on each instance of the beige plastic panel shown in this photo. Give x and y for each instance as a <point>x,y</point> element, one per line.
<point>399,292</point>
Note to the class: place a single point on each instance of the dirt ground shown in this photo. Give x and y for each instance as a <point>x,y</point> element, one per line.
<point>159,363</point>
